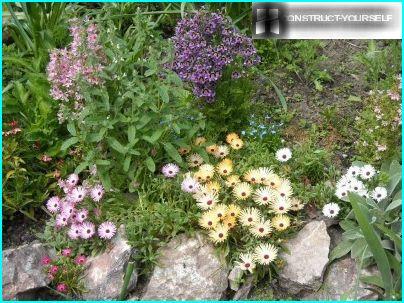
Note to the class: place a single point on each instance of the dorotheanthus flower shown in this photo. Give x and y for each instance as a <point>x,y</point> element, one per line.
<point>264,174</point>
<point>242,190</point>
<point>207,200</point>
<point>221,152</point>
<point>283,154</point>
<point>263,195</point>
<point>273,181</point>
<point>225,167</point>
<point>219,234</point>
<point>232,180</point>
<point>265,253</point>
<point>341,193</point>
<point>280,206</point>
<point>229,221</point>
<point>184,150</point>
<point>211,149</point>
<point>280,222</point>
<point>249,216</point>
<point>261,228</point>
<point>189,184</point>
<point>354,171</point>
<point>53,204</point>
<point>230,137</point>
<point>201,176</point>
<point>237,144</point>
<point>246,262</point>
<point>220,211</point>
<point>296,204</point>
<point>233,211</point>
<point>285,189</point>
<point>252,176</point>
<point>199,141</point>
<point>379,193</point>
<point>170,170</point>
<point>331,210</point>
<point>194,160</point>
<point>208,170</point>
<point>87,230</point>
<point>367,172</point>
<point>106,230</point>
<point>213,186</point>
<point>209,220</point>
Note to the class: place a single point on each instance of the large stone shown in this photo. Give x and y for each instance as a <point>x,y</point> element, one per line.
<point>243,292</point>
<point>22,270</point>
<point>188,269</point>
<point>235,276</point>
<point>104,275</point>
<point>306,260</point>
<point>341,282</point>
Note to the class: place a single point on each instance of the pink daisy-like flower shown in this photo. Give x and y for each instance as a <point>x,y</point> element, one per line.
<point>74,231</point>
<point>51,277</point>
<point>67,252</point>
<point>170,170</point>
<point>53,204</point>
<point>61,287</point>
<point>189,185</point>
<point>87,230</point>
<point>72,180</point>
<point>78,194</point>
<point>106,230</point>
<point>97,192</point>
<point>61,220</point>
<point>80,260</point>
<point>67,209</point>
<point>53,269</point>
<point>46,260</point>
<point>82,215</point>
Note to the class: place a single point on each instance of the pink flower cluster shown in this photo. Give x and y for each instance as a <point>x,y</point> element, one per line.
<point>81,61</point>
<point>69,214</point>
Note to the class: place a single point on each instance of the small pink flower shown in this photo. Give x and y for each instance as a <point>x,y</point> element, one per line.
<point>51,277</point>
<point>67,252</point>
<point>80,260</point>
<point>82,215</point>
<point>97,192</point>
<point>61,287</point>
<point>46,260</point>
<point>74,231</point>
<point>106,230</point>
<point>72,180</point>
<point>87,230</point>
<point>53,204</point>
<point>53,270</point>
<point>170,170</point>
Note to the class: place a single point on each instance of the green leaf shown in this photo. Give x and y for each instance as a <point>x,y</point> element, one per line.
<point>392,235</point>
<point>150,164</point>
<point>280,95</point>
<point>150,72</point>
<point>374,280</point>
<point>116,145</point>
<point>103,162</point>
<point>131,133</point>
<point>163,92</point>
<point>172,152</point>
<point>374,243</point>
<point>126,163</point>
<point>393,205</point>
<point>71,128</point>
<point>82,166</point>
<point>341,250</point>
<point>69,142</point>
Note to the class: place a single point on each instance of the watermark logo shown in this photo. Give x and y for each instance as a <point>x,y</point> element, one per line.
<point>314,20</point>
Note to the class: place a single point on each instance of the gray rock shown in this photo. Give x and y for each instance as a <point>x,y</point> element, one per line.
<point>188,270</point>
<point>234,277</point>
<point>341,283</point>
<point>243,292</point>
<point>104,275</point>
<point>22,270</point>
<point>307,259</point>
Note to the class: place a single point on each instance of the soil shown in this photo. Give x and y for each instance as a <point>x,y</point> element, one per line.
<point>21,230</point>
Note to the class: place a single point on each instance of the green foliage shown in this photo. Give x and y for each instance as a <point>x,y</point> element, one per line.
<point>139,115</point>
<point>372,234</point>
<point>379,127</point>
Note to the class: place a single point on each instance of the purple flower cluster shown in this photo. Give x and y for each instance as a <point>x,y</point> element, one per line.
<point>205,44</point>
<point>81,61</point>
<point>70,215</point>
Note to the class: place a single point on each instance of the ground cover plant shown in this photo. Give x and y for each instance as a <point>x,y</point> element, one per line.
<point>155,120</point>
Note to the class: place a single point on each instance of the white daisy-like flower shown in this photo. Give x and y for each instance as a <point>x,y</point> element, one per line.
<point>265,253</point>
<point>356,186</point>
<point>249,216</point>
<point>264,174</point>
<point>189,185</point>
<point>246,262</point>
<point>194,160</point>
<point>345,181</point>
<point>296,204</point>
<point>263,195</point>
<point>331,210</point>
<point>221,152</point>
<point>341,193</point>
<point>283,154</point>
<point>379,193</point>
<point>367,172</point>
<point>261,228</point>
<point>280,206</point>
<point>285,189</point>
<point>354,171</point>
<point>207,201</point>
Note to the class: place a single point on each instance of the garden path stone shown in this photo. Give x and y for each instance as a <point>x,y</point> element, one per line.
<point>188,269</point>
<point>104,275</point>
<point>307,260</point>
<point>22,270</point>
<point>340,283</point>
